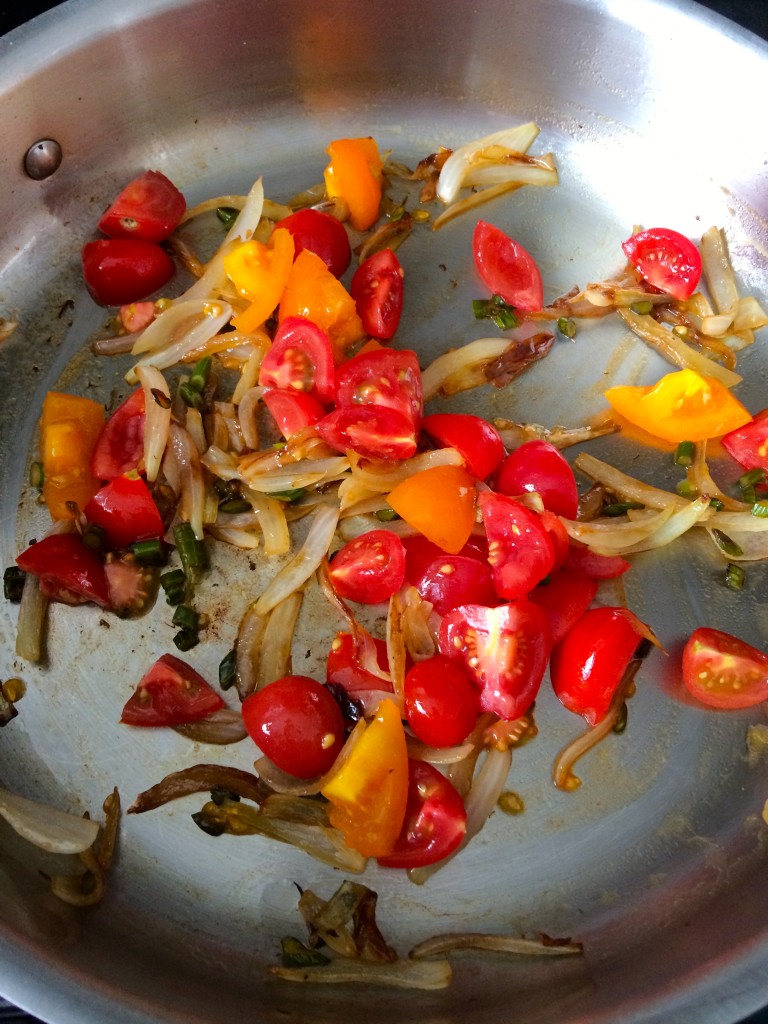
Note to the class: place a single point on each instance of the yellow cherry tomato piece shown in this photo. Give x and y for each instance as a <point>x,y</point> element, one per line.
<point>439,503</point>
<point>682,406</point>
<point>69,428</point>
<point>314,293</point>
<point>260,273</point>
<point>354,175</point>
<point>369,792</point>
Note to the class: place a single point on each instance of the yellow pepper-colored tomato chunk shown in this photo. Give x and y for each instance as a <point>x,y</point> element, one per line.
<point>354,175</point>
<point>314,293</point>
<point>439,503</point>
<point>69,428</point>
<point>368,793</point>
<point>260,273</point>
<point>682,406</point>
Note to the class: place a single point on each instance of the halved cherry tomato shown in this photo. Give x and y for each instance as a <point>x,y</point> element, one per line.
<point>298,725</point>
<point>377,288</point>
<point>125,510</point>
<point>723,671</point>
<point>420,553</point>
<point>748,445</point>
<point>504,649</point>
<point>314,293</point>
<point>370,430</point>
<point>170,693</point>
<point>68,570</point>
<point>323,235</point>
<point>506,268</point>
<point>564,597</point>
<point>477,441</point>
<point>293,410</point>
<point>435,820</point>
<point>597,567</point>
<point>520,551</point>
<point>561,541</point>
<point>441,703</point>
<point>666,259</point>
<point>388,378</point>
<point>682,406</point>
<point>451,580</point>
<point>439,502</point>
<point>370,568</point>
<point>587,665</point>
<point>120,445</point>
<point>355,174</point>
<point>69,429</point>
<point>539,466</point>
<point>149,208</point>
<point>346,667</point>
<point>300,358</point>
<point>122,270</point>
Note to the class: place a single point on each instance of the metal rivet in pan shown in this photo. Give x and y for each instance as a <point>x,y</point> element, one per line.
<point>42,159</point>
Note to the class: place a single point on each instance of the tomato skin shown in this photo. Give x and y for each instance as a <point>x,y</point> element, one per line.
<point>371,431</point>
<point>666,259</point>
<point>377,288</point>
<point>149,208</point>
<point>506,268</point>
<point>748,445</point>
<point>293,411</point>
<point>370,568</point>
<point>323,235</point>
<point>723,671</point>
<point>355,174</point>
<point>420,553</point>
<point>539,466</point>
<point>503,649</point>
<point>122,270</point>
<point>297,724</point>
<point>435,820</point>
<point>343,665</point>
<point>587,665</point>
<point>476,440</point>
<point>125,510</point>
<point>451,580</point>
<point>441,704</point>
<point>69,429</point>
<point>300,358</point>
<point>68,570</point>
<point>520,551</point>
<point>597,567</point>
<point>565,598</point>
<point>170,693</point>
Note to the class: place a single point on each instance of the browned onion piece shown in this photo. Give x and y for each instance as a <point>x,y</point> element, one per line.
<point>220,727</point>
<point>515,359</point>
<point>544,946</point>
<point>426,974</point>
<point>201,778</point>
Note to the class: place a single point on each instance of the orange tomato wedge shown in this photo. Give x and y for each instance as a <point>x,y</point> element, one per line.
<point>354,175</point>
<point>69,428</point>
<point>439,503</point>
<point>260,273</point>
<point>313,292</point>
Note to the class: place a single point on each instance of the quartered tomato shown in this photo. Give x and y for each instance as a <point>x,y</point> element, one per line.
<point>149,207</point>
<point>69,430</point>
<point>354,175</point>
<point>565,596</point>
<point>665,259</point>
<point>386,378</point>
<point>68,570</point>
<point>346,664</point>
<point>439,502</point>
<point>323,235</point>
<point>506,268</point>
<point>435,820</point>
<point>539,466</point>
<point>587,665</point>
<point>441,703</point>
<point>122,270</point>
<point>451,580</point>
<point>260,273</point>
<point>504,650</point>
<point>170,693</point>
<point>370,568</point>
<point>475,439</point>
<point>300,358</point>
<point>298,725</point>
<point>585,562</point>
<point>748,445</point>
<point>120,445</point>
<point>370,430</point>
<point>314,293</point>
<point>293,411</point>
<point>520,551</point>
<point>723,671</point>
<point>377,288</point>
<point>125,510</point>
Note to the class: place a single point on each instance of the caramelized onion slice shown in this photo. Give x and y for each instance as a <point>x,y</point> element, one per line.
<point>201,778</point>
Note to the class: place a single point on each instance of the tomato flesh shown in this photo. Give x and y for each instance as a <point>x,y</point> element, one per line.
<point>122,270</point>
<point>370,568</point>
<point>125,510</point>
<point>170,693</point>
<point>120,445</point>
<point>384,378</point>
<point>300,359</point>
<point>323,235</point>
<point>666,259</point>
<point>372,431</point>
<point>723,671</point>
<point>149,208</point>
<point>748,445</point>
<point>477,441</point>
<point>68,570</point>
<point>520,551</point>
<point>506,268</point>
<point>537,466</point>
<point>345,665</point>
<point>441,703</point>
<point>377,288</point>
<point>293,411</point>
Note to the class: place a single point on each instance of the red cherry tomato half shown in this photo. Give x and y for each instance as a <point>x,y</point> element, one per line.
<point>475,439</point>
<point>298,725</point>
<point>748,445</point>
<point>386,378</point>
<point>370,568</point>
<point>321,234</point>
<point>724,672</point>
<point>666,259</point>
<point>538,466</point>
<point>148,208</point>
<point>506,268</point>
<point>520,551</point>
<point>564,597</point>
<point>435,820</point>
<point>503,649</point>
<point>125,510</point>
<point>587,665</point>
<point>441,703</point>
<point>170,693</point>
<point>121,270</point>
<point>300,358</point>
<point>120,445</point>
<point>68,570</point>
<point>420,553</point>
<point>346,664</point>
<point>293,411</point>
<point>377,288</point>
<point>371,431</point>
<point>597,567</point>
<point>451,580</point>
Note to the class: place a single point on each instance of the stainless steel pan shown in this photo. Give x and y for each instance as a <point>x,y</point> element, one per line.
<point>658,862</point>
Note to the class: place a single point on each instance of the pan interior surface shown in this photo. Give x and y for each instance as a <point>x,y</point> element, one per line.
<point>657,862</point>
